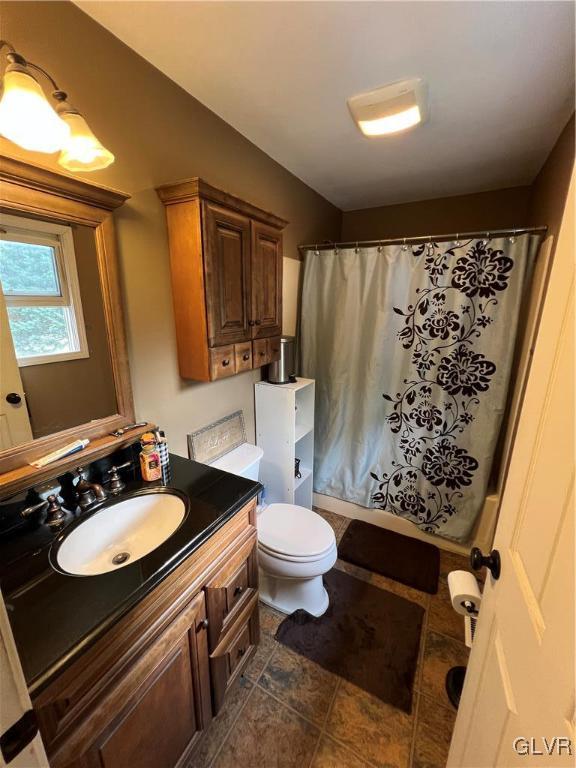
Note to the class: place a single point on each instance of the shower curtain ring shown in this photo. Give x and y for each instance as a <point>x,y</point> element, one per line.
<point>380,247</point>
<point>316,251</point>
<point>404,246</point>
<point>356,250</point>
<point>457,243</point>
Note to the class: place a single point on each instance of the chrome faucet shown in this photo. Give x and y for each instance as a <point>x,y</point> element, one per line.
<point>88,493</point>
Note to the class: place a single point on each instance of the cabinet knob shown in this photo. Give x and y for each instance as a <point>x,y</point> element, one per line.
<point>246,356</point>
<point>225,362</point>
<point>241,652</point>
<point>13,398</point>
<point>238,591</point>
<point>202,625</point>
<point>250,323</point>
<point>256,322</point>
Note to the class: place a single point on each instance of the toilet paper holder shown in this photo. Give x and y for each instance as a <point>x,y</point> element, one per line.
<point>469,607</point>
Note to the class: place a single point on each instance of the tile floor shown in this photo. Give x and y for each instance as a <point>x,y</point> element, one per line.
<point>287,712</point>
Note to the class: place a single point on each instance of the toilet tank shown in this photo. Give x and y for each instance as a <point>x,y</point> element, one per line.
<point>243,460</point>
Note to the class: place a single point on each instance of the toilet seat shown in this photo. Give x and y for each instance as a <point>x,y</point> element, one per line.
<point>295,534</point>
<point>294,558</point>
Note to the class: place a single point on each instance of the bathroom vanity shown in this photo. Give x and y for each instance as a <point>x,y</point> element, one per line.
<point>125,666</point>
<point>128,667</point>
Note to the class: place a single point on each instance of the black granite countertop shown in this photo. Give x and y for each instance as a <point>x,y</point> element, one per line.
<point>55,617</point>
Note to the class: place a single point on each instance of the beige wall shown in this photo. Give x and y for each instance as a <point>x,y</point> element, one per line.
<point>497,209</point>
<point>160,134</point>
<point>536,204</point>
<point>550,188</point>
<point>68,393</point>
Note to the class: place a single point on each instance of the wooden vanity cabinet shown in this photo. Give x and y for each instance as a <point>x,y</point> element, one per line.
<point>226,266</point>
<point>142,694</point>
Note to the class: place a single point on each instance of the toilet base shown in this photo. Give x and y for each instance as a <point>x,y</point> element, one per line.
<point>288,595</point>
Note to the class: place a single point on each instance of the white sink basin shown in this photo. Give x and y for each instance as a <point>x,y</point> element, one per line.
<point>120,534</point>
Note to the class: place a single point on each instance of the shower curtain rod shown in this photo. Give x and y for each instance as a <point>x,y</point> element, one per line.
<point>488,234</point>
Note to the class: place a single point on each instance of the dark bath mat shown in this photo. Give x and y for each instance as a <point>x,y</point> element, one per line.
<point>368,636</point>
<point>409,561</point>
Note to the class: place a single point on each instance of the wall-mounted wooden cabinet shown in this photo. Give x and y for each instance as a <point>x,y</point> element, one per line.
<point>226,262</point>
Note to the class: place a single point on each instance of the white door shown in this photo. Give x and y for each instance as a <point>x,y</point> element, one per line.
<point>14,422</point>
<point>518,703</point>
<point>20,751</point>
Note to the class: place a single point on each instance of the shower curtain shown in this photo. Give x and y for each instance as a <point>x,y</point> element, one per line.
<point>411,347</point>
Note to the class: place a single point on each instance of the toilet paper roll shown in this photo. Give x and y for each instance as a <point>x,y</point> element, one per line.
<point>463,589</point>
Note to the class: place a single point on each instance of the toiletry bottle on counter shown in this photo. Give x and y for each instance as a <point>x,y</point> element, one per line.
<point>162,445</point>
<point>150,458</point>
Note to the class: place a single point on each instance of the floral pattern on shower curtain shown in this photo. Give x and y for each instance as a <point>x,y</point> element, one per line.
<point>428,348</point>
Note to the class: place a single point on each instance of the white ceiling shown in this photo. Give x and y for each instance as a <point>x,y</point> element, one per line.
<point>500,78</point>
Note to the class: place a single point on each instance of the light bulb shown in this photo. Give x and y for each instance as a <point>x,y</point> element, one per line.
<point>26,117</point>
<point>82,151</point>
<point>391,123</point>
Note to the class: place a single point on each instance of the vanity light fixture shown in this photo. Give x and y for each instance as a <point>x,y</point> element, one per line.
<point>28,119</point>
<point>82,150</point>
<point>390,109</point>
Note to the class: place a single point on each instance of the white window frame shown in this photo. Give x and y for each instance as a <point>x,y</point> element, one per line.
<point>59,237</point>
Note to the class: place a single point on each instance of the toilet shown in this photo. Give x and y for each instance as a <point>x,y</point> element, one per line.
<point>295,545</point>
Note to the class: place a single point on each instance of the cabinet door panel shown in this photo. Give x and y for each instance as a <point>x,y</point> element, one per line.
<point>152,717</point>
<point>266,281</point>
<point>134,741</point>
<point>227,274</point>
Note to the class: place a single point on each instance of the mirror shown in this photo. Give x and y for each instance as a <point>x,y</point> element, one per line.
<point>57,365</point>
<point>63,361</point>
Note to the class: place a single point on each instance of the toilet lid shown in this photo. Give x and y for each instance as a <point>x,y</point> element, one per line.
<point>292,530</point>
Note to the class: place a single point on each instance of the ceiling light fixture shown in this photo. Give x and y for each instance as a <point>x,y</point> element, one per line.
<point>28,119</point>
<point>390,109</point>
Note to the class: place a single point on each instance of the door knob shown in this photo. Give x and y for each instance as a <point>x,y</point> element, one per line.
<point>13,398</point>
<point>491,561</point>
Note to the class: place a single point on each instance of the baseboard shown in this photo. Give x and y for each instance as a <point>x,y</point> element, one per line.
<point>385,520</point>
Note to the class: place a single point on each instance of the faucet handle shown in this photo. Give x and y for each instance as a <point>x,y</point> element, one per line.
<point>55,516</point>
<point>116,483</point>
<point>33,508</point>
<point>117,468</point>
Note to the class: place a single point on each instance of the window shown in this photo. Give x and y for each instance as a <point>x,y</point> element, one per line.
<point>40,286</point>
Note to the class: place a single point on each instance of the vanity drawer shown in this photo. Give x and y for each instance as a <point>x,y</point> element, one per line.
<point>238,649</point>
<point>230,657</point>
<point>230,591</point>
<point>237,587</point>
<point>243,355</point>
<point>222,362</point>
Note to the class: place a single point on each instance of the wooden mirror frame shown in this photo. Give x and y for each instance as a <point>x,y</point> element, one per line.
<point>41,193</point>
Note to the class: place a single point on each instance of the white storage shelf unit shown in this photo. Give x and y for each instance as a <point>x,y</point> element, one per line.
<point>285,432</point>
